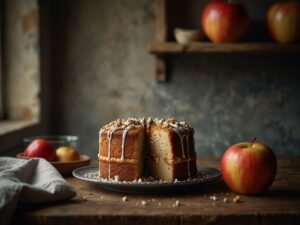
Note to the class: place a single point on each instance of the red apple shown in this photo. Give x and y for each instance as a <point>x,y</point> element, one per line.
<point>225,21</point>
<point>249,167</point>
<point>283,21</point>
<point>42,149</point>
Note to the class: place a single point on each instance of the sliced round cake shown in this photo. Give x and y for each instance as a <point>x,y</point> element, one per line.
<point>133,148</point>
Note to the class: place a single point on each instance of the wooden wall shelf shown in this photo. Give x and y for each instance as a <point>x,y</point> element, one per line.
<point>170,14</point>
<point>161,48</point>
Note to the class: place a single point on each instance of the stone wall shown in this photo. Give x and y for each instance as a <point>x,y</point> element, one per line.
<point>102,71</point>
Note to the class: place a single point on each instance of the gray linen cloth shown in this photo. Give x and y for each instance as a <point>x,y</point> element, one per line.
<point>29,181</point>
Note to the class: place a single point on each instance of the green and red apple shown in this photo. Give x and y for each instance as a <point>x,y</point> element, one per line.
<point>249,167</point>
<point>283,21</point>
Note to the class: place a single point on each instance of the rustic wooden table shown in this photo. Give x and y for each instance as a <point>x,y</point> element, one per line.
<point>280,205</point>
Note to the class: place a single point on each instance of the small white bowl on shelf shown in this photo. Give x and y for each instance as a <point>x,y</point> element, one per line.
<point>185,36</point>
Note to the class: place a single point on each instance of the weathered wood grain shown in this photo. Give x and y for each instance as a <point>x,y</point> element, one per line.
<point>208,47</point>
<point>280,205</point>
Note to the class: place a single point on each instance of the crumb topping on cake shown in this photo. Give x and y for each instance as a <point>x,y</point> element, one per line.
<point>147,122</point>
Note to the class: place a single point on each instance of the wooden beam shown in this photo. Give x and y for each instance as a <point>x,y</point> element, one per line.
<point>202,47</point>
<point>161,36</point>
<point>160,21</point>
<point>161,69</point>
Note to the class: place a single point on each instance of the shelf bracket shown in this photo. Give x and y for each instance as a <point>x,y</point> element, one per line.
<point>161,69</point>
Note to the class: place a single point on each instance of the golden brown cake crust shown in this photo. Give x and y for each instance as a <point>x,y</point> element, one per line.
<point>123,171</point>
<point>116,143</point>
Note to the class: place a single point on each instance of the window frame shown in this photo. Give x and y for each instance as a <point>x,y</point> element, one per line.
<point>11,142</point>
<point>1,64</point>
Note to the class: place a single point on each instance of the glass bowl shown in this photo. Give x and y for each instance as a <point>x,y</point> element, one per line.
<point>66,167</point>
<point>56,140</point>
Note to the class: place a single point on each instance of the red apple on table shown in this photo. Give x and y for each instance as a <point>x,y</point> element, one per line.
<point>283,21</point>
<point>225,21</point>
<point>249,167</point>
<point>41,148</point>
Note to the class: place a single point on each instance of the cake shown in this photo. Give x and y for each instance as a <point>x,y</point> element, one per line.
<point>133,148</point>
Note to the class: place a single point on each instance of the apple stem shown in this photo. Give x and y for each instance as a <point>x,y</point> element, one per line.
<point>254,139</point>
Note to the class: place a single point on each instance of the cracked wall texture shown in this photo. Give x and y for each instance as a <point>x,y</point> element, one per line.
<point>102,71</point>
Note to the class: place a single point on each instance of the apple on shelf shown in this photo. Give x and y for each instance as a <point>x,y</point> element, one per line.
<point>225,21</point>
<point>283,21</point>
<point>249,167</point>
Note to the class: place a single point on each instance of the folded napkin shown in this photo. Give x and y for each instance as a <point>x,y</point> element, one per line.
<point>29,181</point>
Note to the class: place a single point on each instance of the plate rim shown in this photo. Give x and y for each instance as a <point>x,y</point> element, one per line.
<point>147,183</point>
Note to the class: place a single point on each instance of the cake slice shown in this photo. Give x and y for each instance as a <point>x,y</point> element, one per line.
<point>121,145</point>
<point>170,150</point>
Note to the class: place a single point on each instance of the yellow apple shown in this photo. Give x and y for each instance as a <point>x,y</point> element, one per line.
<point>66,154</point>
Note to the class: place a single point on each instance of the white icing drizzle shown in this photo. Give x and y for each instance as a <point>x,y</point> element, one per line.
<point>126,126</point>
<point>124,139</point>
<point>183,132</point>
<point>100,141</point>
<point>149,120</point>
<point>188,161</point>
<point>109,136</point>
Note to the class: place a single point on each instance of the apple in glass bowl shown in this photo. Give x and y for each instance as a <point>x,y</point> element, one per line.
<point>59,150</point>
<point>249,167</point>
<point>67,154</point>
<point>41,148</point>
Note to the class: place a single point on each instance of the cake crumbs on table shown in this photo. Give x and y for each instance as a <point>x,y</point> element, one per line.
<point>213,197</point>
<point>124,199</point>
<point>225,200</point>
<point>176,204</point>
<point>236,199</point>
<point>84,198</point>
<point>159,204</point>
<point>144,203</point>
<point>117,178</point>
